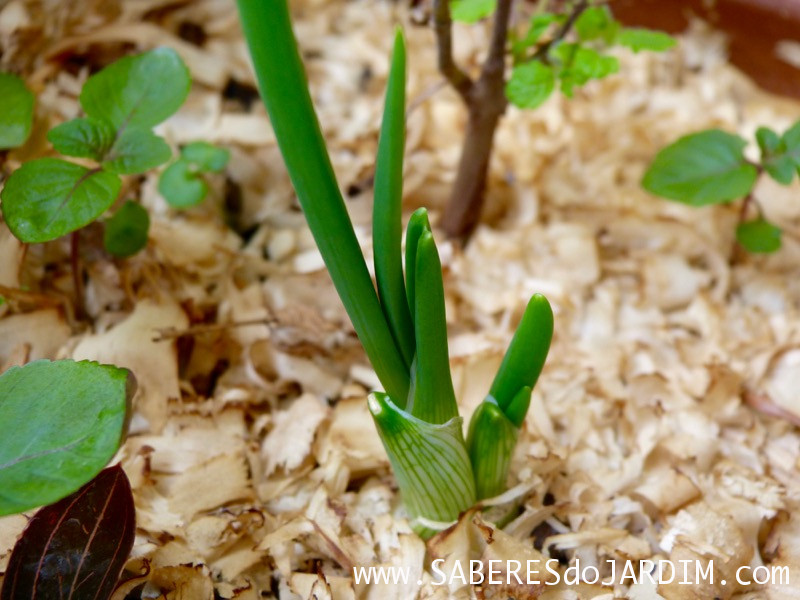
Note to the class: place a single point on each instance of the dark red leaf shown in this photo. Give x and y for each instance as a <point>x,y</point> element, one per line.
<point>75,549</point>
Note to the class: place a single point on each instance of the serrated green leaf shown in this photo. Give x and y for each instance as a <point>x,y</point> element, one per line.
<point>538,26</point>
<point>85,137</point>
<point>136,150</point>
<point>595,23</point>
<point>579,64</point>
<point>530,84</point>
<point>181,186</point>
<point>779,162</point>
<point>126,231</point>
<point>47,198</point>
<point>759,236</point>
<point>702,168</point>
<point>470,11</point>
<point>781,168</point>
<point>16,111</point>
<point>140,90</point>
<point>791,137</point>
<point>638,39</point>
<point>62,422</point>
<point>769,141</point>
<point>430,463</point>
<point>206,157</point>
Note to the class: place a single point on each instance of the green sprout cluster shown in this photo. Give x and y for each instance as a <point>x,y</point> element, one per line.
<point>710,167</point>
<point>402,325</point>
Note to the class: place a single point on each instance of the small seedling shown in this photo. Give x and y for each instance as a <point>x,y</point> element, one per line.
<point>49,197</point>
<point>16,111</point>
<point>182,183</point>
<point>562,50</point>
<point>710,167</point>
<point>402,326</point>
<point>63,421</point>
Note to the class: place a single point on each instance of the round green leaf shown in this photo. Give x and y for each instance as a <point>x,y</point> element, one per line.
<point>181,186</point>
<point>47,198</point>
<point>206,157</point>
<point>702,168</point>
<point>638,39</point>
<point>140,90</point>
<point>62,422</point>
<point>16,111</point>
<point>759,236</point>
<point>137,150</point>
<point>530,84</point>
<point>126,231</point>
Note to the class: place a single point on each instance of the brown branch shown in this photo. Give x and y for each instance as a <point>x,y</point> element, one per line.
<point>443,27</point>
<point>496,60</point>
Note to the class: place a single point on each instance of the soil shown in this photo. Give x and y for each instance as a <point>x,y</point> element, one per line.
<point>664,426</point>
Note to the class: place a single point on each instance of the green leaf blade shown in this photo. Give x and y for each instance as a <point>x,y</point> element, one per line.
<point>284,89</point>
<point>434,399</point>
<point>387,211</point>
<point>136,150</point>
<point>702,168</point>
<point>580,64</point>
<point>16,111</point>
<point>63,421</point>
<point>181,186</point>
<point>530,84</point>
<point>84,137</point>
<point>759,236</point>
<point>638,39</point>
<point>525,356</point>
<point>595,23</point>
<point>430,463</point>
<point>471,11</point>
<point>126,231</point>
<point>141,90</point>
<point>418,224</point>
<point>47,198</point>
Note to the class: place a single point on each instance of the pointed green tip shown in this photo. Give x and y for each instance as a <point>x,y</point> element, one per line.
<point>518,407</point>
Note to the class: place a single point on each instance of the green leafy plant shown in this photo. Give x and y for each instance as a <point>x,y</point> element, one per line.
<point>182,183</point>
<point>63,421</point>
<point>555,49</point>
<point>402,326</point>
<point>16,111</point>
<point>710,167</point>
<point>49,197</point>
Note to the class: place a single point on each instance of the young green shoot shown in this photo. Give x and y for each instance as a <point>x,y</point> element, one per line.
<point>402,326</point>
<point>183,183</point>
